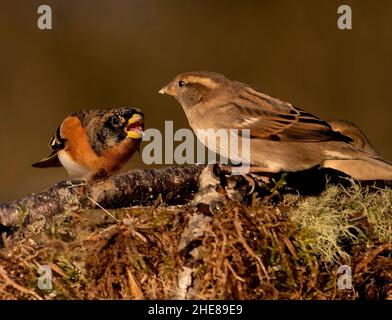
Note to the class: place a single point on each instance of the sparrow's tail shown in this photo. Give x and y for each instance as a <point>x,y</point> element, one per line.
<point>367,168</point>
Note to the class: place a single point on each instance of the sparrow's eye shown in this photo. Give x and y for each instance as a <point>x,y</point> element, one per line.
<point>181,83</point>
<point>115,122</point>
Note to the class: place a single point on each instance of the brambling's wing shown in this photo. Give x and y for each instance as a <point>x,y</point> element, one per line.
<point>50,161</point>
<point>272,119</point>
<point>57,143</point>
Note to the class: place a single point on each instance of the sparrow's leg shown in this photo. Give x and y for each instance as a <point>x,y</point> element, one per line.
<point>251,181</point>
<point>263,174</point>
<point>224,169</point>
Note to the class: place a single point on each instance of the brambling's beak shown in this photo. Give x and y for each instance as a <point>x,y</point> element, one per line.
<point>134,127</point>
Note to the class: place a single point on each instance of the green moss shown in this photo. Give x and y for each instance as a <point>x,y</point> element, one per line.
<point>300,242</point>
<point>341,216</point>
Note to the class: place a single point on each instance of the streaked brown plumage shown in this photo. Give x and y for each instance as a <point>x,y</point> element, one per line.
<point>282,137</point>
<point>351,130</point>
<point>95,143</point>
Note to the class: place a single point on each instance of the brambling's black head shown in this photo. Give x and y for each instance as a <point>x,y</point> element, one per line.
<point>190,88</point>
<point>107,128</point>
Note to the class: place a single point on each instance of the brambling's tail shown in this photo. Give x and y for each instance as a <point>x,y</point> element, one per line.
<point>50,161</point>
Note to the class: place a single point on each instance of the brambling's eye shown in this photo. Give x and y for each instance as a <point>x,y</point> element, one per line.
<point>181,83</point>
<point>115,122</point>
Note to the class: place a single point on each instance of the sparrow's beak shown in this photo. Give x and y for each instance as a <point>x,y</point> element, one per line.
<point>134,127</point>
<point>168,89</point>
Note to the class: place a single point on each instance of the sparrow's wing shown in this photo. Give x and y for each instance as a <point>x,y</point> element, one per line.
<point>360,140</point>
<point>272,119</point>
<point>57,143</point>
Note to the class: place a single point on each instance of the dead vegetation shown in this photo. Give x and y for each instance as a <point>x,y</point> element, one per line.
<point>290,249</point>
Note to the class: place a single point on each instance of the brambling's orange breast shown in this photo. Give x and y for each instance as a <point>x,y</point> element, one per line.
<point>78,147</point>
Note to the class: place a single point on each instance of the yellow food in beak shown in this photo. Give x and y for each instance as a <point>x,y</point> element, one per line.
<point>134,134</point>
<point>135,118</point>
<point>135,127</point>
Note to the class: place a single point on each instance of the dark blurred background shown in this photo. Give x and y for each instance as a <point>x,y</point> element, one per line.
<point>112,53</point>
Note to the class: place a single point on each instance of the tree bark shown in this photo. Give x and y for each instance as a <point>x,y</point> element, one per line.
<point>175,185</point>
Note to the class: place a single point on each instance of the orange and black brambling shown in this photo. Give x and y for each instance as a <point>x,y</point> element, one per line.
<point>283,138</point>
<point>95,143</point>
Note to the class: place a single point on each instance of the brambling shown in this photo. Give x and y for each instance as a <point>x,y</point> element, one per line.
<point>95,143</point>
<point>283,138</point>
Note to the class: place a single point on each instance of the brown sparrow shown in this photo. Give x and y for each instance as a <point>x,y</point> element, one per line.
<point>283,138</point>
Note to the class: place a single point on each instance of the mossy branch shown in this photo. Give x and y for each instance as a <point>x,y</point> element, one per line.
<point>175,185</point>
<point>136,187</point>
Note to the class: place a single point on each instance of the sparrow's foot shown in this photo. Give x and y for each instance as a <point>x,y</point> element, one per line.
<point>251,182</point>
<point>225,172</point>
